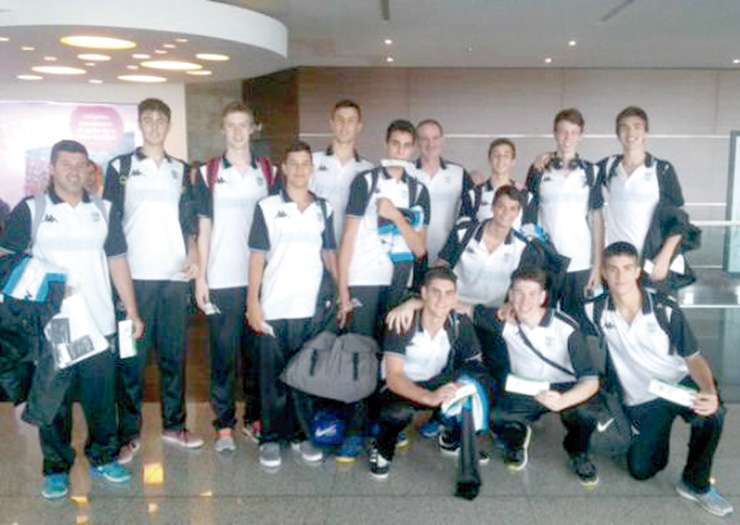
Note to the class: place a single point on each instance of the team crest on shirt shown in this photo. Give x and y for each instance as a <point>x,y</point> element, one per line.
<point>50,218</point>
<point>136,172</point>
<point>652,328</point>
<point>546,178</point>
<point>281,215</point>
<point>174,174</point>
<point>608,325</point>
<point>323,168</point>
<point>220,180</point>
<point>95,216</point>
<point>549,341</point>
<point>260,181</point>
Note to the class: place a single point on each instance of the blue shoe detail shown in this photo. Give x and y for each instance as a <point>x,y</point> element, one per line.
<point>55,486</point>
<point>113,472</point>
<point>430,429</point>
<point>350,449</point>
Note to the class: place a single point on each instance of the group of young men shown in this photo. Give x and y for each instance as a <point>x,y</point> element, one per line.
<point>509,280</point>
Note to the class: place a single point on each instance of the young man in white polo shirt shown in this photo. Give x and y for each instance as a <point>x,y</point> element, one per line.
<point>446,181</point>
<point>336,167</point>
<point>291,245</point>
<point>567,203</point>
<point>90,249</point>
<point>636,187</point>
<point>153,194</point>
<point>648,339</point>
<point>547,346</point>
<point>370,280</point>
<point>226,194</point>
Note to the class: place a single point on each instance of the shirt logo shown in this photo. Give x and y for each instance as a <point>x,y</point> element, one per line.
<point>546,178</point>
<point>136,172</point>
<point>549,340</point>
<point>328,431</point>
<point>50,218</point>
<point>652,328</point>
<point>260,181</point>
<point>174,174</point>
<point>469,250</point>
<point>220,180</point>
<point>601,427</point>
<point>323,168</point>
<point>281,215</point>
<point>608,325</point>
<point>95,216</point>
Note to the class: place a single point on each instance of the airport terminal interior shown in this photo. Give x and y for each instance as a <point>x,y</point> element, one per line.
<point>482,69</point>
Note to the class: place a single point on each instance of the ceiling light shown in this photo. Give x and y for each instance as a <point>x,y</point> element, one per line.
<point>181,40</point>
<point>27,48</point>
<point>736,61</point>
<point>548,60</point>
<point>97,42</point>
<point>95,81</point>
<point>200,72</point>
<point>90,64</point>
<point>50,59</point>
<point>142,78</point>
<point>169,46</point>
<point>389,59</point>
<point>4,39</point>
<point>141,56</point>
<point>215,57</point>
<point>171,65</point>
<point>94,57</point>
<point>470,49</point>
<point>29,77</point>
<point>132,67</point>
<point>388,41</point>
<point>59,70</point>
<point>160,51</point>
<point>572,43</point>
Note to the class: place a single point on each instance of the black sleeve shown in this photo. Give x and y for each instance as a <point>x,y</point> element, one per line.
<point>202,196</point>
<point>467,203</point>
<point>595,195</point>
<point>531,256</point>
<point>532,184</point>
<point>465,196</point>
<point>580,356</point>
<point>115,241</point>
<point>451,247</point>
<point>359,197</point>
<point>259,236</point>
<point>16,236</point>
<point>395,343</point>
<point>188,218</point>
<point>423,201</point>
<point>467,344</point>
<point>670,188</point>
<point>680,334</point>
<point>485,318</point>
<point>328,241</point>
<point>113,189</point>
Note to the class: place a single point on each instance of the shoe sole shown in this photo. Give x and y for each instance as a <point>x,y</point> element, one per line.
<point>117,481</point>
<point>525,446</point>
<point>345,459</point>
<point>270,464</point>
<point>589,484</point>
<point>402,444</point>
<point>221,450</point>
<point>379,476</point>
<point>52,497</point>
<point>312,459</point>
<point>178,443</point>
<point>686,495</point>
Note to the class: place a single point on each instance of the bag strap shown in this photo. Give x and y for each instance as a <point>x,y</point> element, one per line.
<point>539,354</point>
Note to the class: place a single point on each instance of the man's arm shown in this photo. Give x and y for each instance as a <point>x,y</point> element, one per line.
<point>202,296</point>
<point>597,247</point>
<point>255,316</point>
<point>346,250</point>
<point>662,261</point>
<point>401,385</point>
<point>707,400</point>
<point>416,240</point>
<point>557,401</point>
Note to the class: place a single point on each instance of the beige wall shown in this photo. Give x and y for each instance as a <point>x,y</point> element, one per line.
<point>205,101</point>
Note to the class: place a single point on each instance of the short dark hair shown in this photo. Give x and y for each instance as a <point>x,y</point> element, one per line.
<point>439,272</point>
<point>631,111</point>
<point>401,125</point>
<point>297,146</point>
<point>571,115</point>
<point>154,104</point>
<point>502,142</point>
<point>237,106</point>
<point>621,248</point>
<point>68,146</point>
<point>530,273</point>
<point>347,103</point>
<point>511,191</point>
<point>433,122</point>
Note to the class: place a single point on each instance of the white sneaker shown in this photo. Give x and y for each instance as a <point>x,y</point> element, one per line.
<point>270,455</point>
<point>225,441</point>
<point>711,501</point>
<point>308,451</point>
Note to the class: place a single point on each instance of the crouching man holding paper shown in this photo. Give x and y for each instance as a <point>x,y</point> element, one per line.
<point>654,357</point>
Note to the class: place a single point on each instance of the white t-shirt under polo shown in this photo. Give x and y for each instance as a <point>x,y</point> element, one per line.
<point>331,180</point>
<point>292,241</point>
<point>230,204</point>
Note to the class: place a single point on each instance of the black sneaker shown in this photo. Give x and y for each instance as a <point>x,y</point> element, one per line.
<point>449,443</point>
<point>379,466</point>
<point>515,458</point>
<point>584,469</point>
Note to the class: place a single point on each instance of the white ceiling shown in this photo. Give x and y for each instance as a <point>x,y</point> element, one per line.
<point>511,33</point>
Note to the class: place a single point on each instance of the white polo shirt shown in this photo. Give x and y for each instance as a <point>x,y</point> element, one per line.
<point>477,203</point>
<point>564,199</point>
<point>557,337</point>
<point>292,241</point>
<point>646,348</point>
<point>230,204</point>
<point>446,188</point>
<point>371,264</point>
<point>76,239</point>
<point>152,197</point>
<point>331,180</point>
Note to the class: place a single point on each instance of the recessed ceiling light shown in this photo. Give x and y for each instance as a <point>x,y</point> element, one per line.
<point>572,43</point>
<point>95,81</point>
<point>97,42</point>
<point>169,46</point>
<point>50,58</point>
<point>141,56</point>
<point>132,67</point>
<point>4,39</point>
<point>388,41</point>
<point>142,78</point>
<point>200,72</point>
<point>29,77</point>
<point>736,61</point>
<point>214,57</point>
<point>389,59</point>
<point>548,60</point>
<point>181,40</point>
<point>470,49</point>
<point>59,70</point>
<point>160,51</point>
<point>27,48</point>
<point>94,57</point>
<point>171,65</point>
<point>90,64</point>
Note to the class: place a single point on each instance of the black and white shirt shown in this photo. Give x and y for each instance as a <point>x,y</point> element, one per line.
<point>292,241</point>
<point>563,196</point>
<point>557,337</point>
<point>477,202</point>
<point>331,180</point>
<point>77,239</point>
<point>446,190</point>
<point>230,204</point>
<point>371,264</point>
<point>654,345</point>
<point>157,213</point>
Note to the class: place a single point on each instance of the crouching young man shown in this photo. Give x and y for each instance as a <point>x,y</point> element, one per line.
<point>649,341</point>
<point>420,366</point>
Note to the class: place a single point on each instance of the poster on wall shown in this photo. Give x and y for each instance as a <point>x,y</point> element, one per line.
<point>732,237</point>
<point>28,130</point>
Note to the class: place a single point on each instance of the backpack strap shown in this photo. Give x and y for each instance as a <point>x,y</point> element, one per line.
<point>539,354</point>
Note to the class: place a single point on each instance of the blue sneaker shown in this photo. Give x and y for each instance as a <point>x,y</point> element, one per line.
<point>711,501</point>
<point>430,429</point>
<point>113,472</point>
<point>55,486</point>
<point>350,449</point>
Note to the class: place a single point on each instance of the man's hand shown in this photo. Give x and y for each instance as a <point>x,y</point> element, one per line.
<point>387,210</point>
<point>551,399</point>
<point>400,318</point>
<point>137,326</point>
<point>464,308</point>
<point>345,307</point>
<point>255,317</point>
<point>202,295</point>
<point>594,279</point>
<point>706,404</point>
<point>506,313</point>
<point>542,160</point>
<point>441,395</point>
<point>190,270</point>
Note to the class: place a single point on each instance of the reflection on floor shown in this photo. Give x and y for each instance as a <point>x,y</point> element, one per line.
<point>171,486</point>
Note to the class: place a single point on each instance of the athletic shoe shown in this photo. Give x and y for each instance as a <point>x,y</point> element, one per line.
<point>113,472</point>
<point>584,469</point>
<point>182,438</point>
<point>253,430</point>
<point>516,458</point>
<point>350,449</point>
<point>448,444</point>
<point>129,451</point>
<point>379,466</point>
<point>711,501</point>
<point>308,451</point>
<point>55,486</point>
<point>402,440</point>
<point>270,455</point>
<point>430,429</point>
<point>225,441</point>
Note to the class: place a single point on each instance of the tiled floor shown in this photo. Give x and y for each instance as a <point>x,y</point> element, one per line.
<point>171,486</point>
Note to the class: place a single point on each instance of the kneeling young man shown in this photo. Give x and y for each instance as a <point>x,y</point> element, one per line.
<point>420,367</point>
<point>543,345</point>
<point>648,339</point>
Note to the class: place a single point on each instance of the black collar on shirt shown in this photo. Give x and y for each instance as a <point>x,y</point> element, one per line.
<point>618,162</point>
<point>56,199</point>
<point>556,163</point>
<point>442,163</point>
<point>286,197</point>
<point>547,318</point>
<point>481,229</point>
<point>647,302</point>
<point>140,155</point>
<point>330,153</point>
<point>227,163</point>
<point>386,175</point>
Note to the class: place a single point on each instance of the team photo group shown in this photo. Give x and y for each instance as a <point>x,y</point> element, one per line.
<point>350,303</point>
